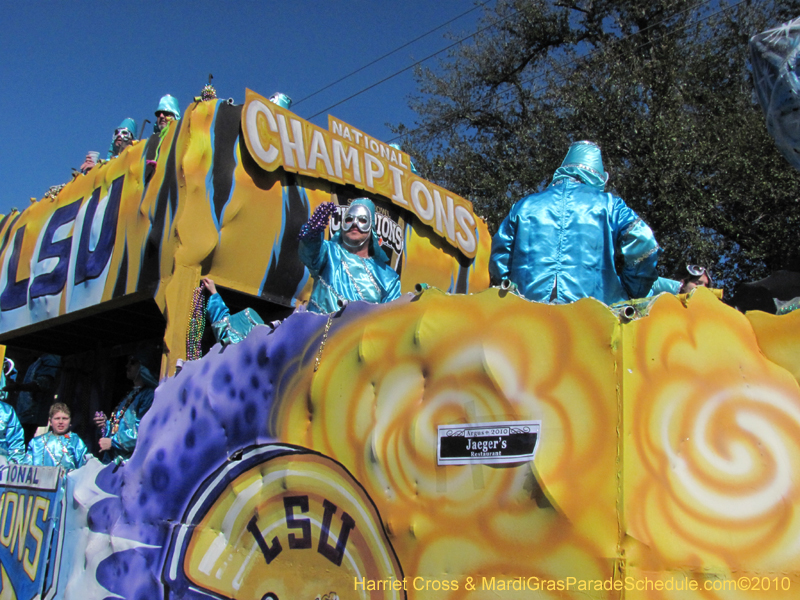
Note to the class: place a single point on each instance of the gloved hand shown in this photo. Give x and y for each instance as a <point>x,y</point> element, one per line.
<point>318,221</point>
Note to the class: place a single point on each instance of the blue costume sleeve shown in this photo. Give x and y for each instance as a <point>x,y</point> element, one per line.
<point>664,285</point>
<point>393,290</point>
<point>144,400</point>
<point>502,248</point>
<point>124,441</point>
<point>312,234</point>
<point>12,440</point>
<point>80,451</point>
<point>35,454</point>
<point>638,246</point>
<point>216,309</point>
<point>312,253</point>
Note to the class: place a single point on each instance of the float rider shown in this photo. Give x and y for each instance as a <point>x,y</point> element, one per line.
<point>123,137</point>
<point>695,276</point>
<point>281,100</point>
<point>58,447</point>
<point>120,432</point>
<point>559,245</point>
<point>351,265</point>
<point>167,111</point>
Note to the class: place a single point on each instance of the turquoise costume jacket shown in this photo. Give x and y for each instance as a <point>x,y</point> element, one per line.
<point>12,440</point>
<point>216,309</point>
<point>342,275</point>
<point>126,418</point>
<point>558,246</point>
<point>50,450</point>
<point>230,329</point>
<point>664,285</point>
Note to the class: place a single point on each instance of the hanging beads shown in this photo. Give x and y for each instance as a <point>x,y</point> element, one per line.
<point>208,93</point>
<point>196,325</point>
<point>322,344</point>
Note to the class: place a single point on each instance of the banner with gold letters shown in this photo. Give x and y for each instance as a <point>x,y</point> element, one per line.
<point>205,199</point>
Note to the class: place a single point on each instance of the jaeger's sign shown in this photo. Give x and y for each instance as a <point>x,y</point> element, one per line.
<point>277,138</point>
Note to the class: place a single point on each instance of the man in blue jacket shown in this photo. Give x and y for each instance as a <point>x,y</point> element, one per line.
<point>558,246</point>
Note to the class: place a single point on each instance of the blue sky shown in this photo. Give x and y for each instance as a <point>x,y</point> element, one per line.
<point>71,71</point>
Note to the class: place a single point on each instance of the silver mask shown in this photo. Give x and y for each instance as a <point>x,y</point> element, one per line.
<point>358,215</point>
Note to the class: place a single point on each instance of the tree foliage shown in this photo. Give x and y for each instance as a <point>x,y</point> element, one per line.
<point>663,86</point>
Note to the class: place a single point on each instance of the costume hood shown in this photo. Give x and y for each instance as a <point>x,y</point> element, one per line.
<point>375,246</point>
<point>281,100</point>
<point>128,124</point>
<point>169,104</point>
<point>583,161</point>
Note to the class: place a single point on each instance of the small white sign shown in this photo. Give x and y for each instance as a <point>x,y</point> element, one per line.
<point>487,443</point>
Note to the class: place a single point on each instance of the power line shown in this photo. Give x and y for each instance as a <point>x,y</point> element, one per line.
<point>419,62</point>
<point>416,39</point>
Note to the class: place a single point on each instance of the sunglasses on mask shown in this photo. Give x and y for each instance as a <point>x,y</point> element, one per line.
<point>698,271</point>
<point>123,133</point>
<point>361,221</point>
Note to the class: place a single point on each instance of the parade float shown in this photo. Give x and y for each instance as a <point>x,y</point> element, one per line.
<point>460,442</point>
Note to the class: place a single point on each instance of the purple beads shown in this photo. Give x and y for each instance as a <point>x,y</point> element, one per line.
<point>318,221</point>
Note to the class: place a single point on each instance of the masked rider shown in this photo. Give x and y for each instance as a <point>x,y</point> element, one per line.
<point>351,266</point>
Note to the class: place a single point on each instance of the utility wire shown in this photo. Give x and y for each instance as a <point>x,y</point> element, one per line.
<point>388,54</point>
<point>419,62</point>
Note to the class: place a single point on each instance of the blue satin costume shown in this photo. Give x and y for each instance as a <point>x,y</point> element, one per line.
<point>558,245</point>
<point>12,440</point>
<point>216,309</point>
<point>129,414</point>
<point>230,329</point>
<point>128,124</point>
<point>50,450</point>
<point>664,285</point>
<point>341,275</point>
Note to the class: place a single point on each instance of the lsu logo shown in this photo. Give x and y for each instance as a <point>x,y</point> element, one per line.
<point>281,523</point>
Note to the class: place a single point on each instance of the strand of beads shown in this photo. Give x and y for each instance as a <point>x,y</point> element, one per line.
<point>196,325</point>
<point>208,93</point>
<point>318,221</point>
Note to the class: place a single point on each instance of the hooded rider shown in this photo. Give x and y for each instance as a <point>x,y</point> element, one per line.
<point>558,246</point>
<point>281,100</point>
<point>123,137</point>
<point>120,431</point>
<point>167,111</point>
<point>351,266</point>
